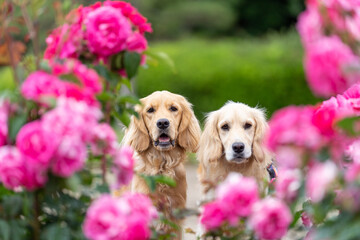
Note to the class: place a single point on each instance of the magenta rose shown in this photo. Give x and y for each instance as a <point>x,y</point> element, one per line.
<point>37,144</point>
<point>123,165</point>
<point>69,157</point>
<point>137,43</point>
<point>107,31</point>
<point>213,215</point>
<point>270,219</point>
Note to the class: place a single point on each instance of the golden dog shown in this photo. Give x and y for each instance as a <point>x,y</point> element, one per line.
<point>232,142</point>
<point>166,129</point>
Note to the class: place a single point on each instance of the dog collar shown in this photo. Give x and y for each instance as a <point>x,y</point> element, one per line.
<point>273,173</point>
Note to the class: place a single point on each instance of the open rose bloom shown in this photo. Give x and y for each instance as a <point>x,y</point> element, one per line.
<point>99,32</point>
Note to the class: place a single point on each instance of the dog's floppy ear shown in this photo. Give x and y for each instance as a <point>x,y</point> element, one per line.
<point>261,127</point>
<point>210,147</point>
<point>137,135</point>
<point>189,129</point>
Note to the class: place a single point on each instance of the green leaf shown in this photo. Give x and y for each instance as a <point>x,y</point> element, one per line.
<point>161,57</point>
<point>131,63</point>
<point>349,126</point>
<point>165,180</point>
<point>12,205</point>
<point>17,230</point>
<point>127,83</point>
<point>102,188</point>
<point>56,231</point>
<point>150,181</point>
<point>4,230</point>
<point>297,216</point>
<point>70,78</point>
<point>105,96</point>
<point>15,123</point>
<point>128,99</point>
<point>111,77</point>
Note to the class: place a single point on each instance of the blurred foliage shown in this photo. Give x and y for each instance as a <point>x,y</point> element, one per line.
<point>177,18</point>
<point>257,71</point>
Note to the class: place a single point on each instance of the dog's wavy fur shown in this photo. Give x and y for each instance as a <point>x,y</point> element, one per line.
<point>151,160</point>
<point>214,167</point>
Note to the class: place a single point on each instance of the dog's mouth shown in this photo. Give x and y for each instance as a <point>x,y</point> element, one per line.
<point>238,158</point>
<point>164,141</point>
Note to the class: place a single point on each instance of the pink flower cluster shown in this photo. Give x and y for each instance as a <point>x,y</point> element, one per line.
<point>99,31</point>
<point>126,218</point>
<point>326,29</point>
<point>83,85</point>
<point>58,142</point>
<point>237,198</point>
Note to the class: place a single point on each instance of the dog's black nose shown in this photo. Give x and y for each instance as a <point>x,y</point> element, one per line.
<point>163,123</point>
<point>238,147</point>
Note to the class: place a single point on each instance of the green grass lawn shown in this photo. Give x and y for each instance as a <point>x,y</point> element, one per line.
<point>267,72</point>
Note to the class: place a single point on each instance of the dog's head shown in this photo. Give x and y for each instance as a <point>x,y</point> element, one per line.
<point>165,120</point>
<point>236,130</point>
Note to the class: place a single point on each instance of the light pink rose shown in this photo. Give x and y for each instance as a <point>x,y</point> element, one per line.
<point>326,61</point>
<point>37,144</point>
<point>103,139</point>
<point>319,179</point>
<point>213,215</point>
<point>4,115</point>
<point>12,167</point>
<point>353,151</point>
<point>69,157</point>
<point>123,165</point>
<point>107,30</point>
<point>238,194</point>
<point>126,218</point>
<point>287,184</point>
<point>289,156</point>
<point>270,219</point>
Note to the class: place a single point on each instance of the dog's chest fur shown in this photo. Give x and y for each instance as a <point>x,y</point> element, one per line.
<point>168,163</point>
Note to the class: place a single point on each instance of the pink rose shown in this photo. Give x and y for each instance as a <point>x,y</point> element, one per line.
<point>12,167</point>
<point>72,117</point>
<point>238,194</point>
<point>16,171</point>
<point>105,218</point>
<point>270,219</point>
<point>287,184</point>
<point>103,139</point>
<point>353,151</point>
<point>213,215</point>
<point>309,26</point>
<point>64,42</point>
<point>306,220</point>
<point>123,165</point>
<point>284,136</point>
<point>37,144</point>
<point>137,43</point>
<point>69,157</point>
<point>325,63</point>
<point>107,31</point>
<point>319,179</point>
<point>128,217</point>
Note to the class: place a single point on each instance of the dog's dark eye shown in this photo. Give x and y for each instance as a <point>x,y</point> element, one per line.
<point>173,109</point>
<point>247,126</point>
<point>151,110</point>
<point>225,127</point>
